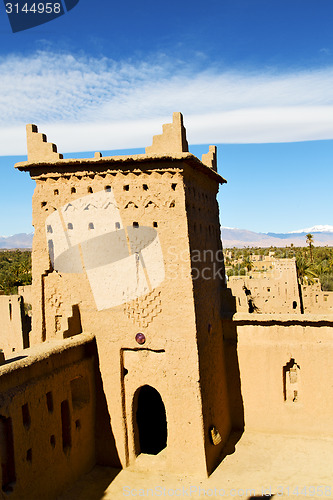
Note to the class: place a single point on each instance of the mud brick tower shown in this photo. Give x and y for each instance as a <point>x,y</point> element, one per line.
<point>128,248</point>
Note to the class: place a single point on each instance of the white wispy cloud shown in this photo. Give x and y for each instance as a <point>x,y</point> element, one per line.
<point>85,103</point>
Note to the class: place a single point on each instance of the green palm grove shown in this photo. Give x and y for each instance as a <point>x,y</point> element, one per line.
<point>15,270</point>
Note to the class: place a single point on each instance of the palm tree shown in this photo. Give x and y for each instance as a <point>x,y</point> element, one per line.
<point>247,263</point>
<point>305,270</point>
<point>322,267</point>
<point>330,263</point>
<point>309,240</point>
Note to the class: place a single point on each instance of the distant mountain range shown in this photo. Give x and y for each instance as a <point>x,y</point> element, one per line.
<point>231,237</point>
<point>21,240</point>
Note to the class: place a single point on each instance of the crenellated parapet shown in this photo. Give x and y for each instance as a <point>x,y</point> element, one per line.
<point>171,145</point>
<point>173,138</point>
<point>38,147</point>
<point>210,159</point>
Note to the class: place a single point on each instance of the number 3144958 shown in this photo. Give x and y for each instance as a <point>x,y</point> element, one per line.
<point>35,8</point>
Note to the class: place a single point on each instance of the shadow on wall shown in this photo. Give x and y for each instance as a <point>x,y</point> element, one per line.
<point>26,322</point>
<point>94,484</point>
<point>230,446</point>
<point>232,367</point>
<point>74,323</point>
<point>106,451</point>
<point>11,360</point>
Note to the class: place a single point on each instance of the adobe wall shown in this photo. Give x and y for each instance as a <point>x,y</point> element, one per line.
<point>13,335</point>
<point>317,301</point>
<point>208,282</point>
<point>116,328</point>
<point>280,395</point>
<point>182,357</point>
<point>47,419</point>
<point>272,286</point>
<point>272,290</point>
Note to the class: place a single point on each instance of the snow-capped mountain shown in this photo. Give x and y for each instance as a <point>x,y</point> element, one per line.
<point>232,237</point>
<point>314,229</point>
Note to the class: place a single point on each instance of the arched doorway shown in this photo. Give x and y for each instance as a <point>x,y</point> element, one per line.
<point>151,421</point>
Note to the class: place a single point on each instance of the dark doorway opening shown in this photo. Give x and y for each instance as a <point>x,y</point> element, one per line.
<point>151,420</point>
<point>7,457</point>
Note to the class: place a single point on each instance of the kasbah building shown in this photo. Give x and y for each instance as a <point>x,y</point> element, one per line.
<point>144,374</point>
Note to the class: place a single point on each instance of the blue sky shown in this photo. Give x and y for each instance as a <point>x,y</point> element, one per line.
<point>254,77</point>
